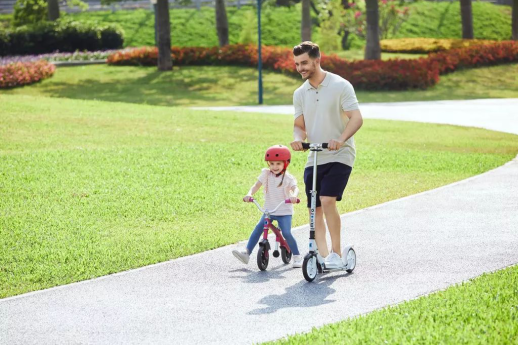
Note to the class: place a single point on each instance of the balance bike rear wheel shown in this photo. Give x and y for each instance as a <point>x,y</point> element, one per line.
<point>263,258</point>
<point>286,255</point>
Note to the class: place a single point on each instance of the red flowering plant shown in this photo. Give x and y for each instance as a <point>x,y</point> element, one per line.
<point>22,73</point>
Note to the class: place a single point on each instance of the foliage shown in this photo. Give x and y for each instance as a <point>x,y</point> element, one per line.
<point>65,35</point>
<point>29,12</point>
<point>395,74</point>
<point>249,29</point>
<point>423,45</point>
<point>330,23</point>
<point>19,74</point>
<point>56,57</point>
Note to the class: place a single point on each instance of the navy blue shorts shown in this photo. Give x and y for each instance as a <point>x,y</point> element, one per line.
<point>331,180</point>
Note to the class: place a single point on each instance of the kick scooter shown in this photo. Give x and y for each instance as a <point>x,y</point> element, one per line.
<point>263,255</point>
<point>314,263</point>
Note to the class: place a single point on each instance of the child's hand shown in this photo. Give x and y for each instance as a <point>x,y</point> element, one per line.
<point>247,198</point>
<point>293,199</point>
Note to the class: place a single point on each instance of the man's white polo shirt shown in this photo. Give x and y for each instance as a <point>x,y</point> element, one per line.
<point>323,109</point>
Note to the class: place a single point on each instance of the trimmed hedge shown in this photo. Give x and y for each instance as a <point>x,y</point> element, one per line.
<point>63,36</point>
<point>423,45</point>
<point>395,74</point>
<point>19,74</point>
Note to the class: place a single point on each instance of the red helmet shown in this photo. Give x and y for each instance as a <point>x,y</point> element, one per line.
<point>278,153</point>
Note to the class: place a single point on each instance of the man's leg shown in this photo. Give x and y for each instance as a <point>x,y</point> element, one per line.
<point>333,222</point>
<point>320,232</point>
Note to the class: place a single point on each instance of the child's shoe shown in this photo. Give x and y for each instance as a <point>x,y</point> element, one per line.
<point>297,261</point>
<point>243,256</point>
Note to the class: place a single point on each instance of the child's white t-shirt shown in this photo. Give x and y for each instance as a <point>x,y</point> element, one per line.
<point>273,194</point>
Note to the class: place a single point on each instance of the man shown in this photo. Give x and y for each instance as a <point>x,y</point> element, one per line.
<point>326,110</point>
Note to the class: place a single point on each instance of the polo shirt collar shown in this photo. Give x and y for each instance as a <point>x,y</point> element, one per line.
<point>324,83</point>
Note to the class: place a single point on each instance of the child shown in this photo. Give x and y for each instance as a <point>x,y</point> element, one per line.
<point>279,185</point>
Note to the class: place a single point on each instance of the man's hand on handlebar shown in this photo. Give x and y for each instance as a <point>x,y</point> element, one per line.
<point>297,146</point>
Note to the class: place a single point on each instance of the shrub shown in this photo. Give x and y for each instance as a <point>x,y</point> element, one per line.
<point>63,35</point>
<point>19,74</point>
<point>424,45</point>
<point>29,12</point>
<point>395,74</point>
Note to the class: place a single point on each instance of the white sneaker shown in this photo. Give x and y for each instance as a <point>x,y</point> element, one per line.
<point>243,256</point>
<point>297,261</point>
<point>333,261</point>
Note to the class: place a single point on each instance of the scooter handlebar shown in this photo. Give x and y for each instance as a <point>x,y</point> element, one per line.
<point>306,145</point>
<point>288,201</point>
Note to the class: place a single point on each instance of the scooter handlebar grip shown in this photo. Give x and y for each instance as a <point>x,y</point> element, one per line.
<point>325,145</point>
<point>305,145</point>
<point>250,200</point>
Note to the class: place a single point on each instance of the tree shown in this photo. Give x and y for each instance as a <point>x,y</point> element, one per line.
<point>305,26</point>
<point>53,9</point>
<point>514,20</point>
<point>372,47</point>
<point>466,19</point>
<point>221,22</point>
<point>164,60</point>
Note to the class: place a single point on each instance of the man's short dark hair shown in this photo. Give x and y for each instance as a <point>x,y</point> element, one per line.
<point>308,47</point>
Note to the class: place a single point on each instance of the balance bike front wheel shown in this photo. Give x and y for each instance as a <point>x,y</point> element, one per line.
<point>263,258</point>
<point>310,267</point>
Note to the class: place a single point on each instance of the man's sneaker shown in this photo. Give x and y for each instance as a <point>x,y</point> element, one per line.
<point>333,261</point>
<point>242,256</point>
<point>297,261</point>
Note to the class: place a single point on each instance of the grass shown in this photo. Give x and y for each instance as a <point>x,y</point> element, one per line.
<point>281,26</point>
<point>230,85</point>
<point>482,311</point>
<point>91,188</point>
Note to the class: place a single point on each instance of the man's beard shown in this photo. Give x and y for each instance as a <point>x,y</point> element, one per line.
<point>310,73</point>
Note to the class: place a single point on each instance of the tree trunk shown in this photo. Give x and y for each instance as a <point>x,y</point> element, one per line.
<point>53,10</point>
<point>514,20</point>
<point>372,47</point>
<point>221,22</point>
<point>164,60</point>
<point>305,27</point>
<point>466,19</point>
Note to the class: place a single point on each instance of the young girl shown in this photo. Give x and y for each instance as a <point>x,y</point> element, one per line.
<point>278,185</point>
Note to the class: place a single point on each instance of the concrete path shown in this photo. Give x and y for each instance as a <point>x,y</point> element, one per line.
<point>405,248</point>
<point>493,114</point>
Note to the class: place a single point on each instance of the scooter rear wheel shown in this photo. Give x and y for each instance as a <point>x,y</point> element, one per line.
<point>263,258</point>
<point>350,260</point>
<point>310,267</point>
<point>286,255</point>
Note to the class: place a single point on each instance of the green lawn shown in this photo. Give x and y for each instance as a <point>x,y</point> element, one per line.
<point>281,26</point>
<point>483,311</point>
<point>93,187</point>
<point>231,85</point>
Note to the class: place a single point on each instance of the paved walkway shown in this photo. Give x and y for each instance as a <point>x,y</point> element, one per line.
<point>406,248</point>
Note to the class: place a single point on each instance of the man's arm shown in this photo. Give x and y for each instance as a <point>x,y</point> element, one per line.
<point>299,133</point>
<point>355,123</point>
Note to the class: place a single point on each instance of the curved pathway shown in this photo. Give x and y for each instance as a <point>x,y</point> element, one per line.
<point>406,248</point>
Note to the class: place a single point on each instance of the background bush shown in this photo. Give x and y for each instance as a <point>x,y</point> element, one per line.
<point>423,45</point>
<point>64,35</point>
<point>19,74</point>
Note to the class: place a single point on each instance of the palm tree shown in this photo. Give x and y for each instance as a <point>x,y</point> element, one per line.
<point>53,10</point>
<point>221,21</point>
<point>372,46</point>
<point>466,19</point>
<point>164,60</point>
<point>305,26</point>
<point>514,20</point>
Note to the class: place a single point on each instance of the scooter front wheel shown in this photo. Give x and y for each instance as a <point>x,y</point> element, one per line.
<point>263,258</point>
<point>310,267</point>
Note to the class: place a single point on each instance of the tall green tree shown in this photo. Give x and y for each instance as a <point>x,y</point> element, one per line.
<point>221,22</point>
<point>53,10</point>
<point>305,24</point>
<point>514,20</point>
<point>164,46</point>
<point>467,30</point>
<point>372,47</point>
